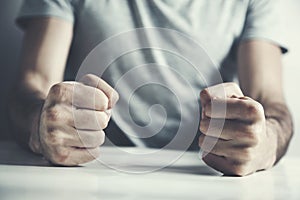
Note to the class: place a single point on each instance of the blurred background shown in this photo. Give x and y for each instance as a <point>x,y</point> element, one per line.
<point>10,45</point>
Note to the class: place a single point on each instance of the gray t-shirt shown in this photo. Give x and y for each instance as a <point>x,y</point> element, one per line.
<point>218,26</point>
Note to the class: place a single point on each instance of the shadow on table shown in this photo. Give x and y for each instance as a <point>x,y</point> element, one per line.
<point>13,154</point>
<point>196,170</point>
<point>200,169</point>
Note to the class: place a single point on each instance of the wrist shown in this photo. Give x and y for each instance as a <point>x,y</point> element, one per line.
<point>34,139</point>
<point>280,121</point>
<point>34,142</point>
<point>272,140</point>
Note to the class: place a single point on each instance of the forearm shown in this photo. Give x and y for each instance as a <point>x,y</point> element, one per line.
<point>279,121</point>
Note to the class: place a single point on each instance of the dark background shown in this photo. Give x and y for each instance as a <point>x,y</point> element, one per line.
<point>10,44</point>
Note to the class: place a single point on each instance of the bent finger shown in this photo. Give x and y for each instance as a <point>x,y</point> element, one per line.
<point>218,163</point>
<point>229,129</point>
<point>69,156</point>
<point>96,82</point>
<point>235,108</point>
<point>214,145</point>
<point>85,139</point>
<point>90,119</point>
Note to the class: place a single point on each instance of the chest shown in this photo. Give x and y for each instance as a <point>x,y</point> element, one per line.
<point>215,25</point>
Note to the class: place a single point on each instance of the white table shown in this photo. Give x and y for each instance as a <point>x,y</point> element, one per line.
<point>27,176</point>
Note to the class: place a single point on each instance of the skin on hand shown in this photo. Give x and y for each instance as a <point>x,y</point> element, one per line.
<point>258,125</point>
<point>71,129</point>
<point>63,121</point>
<point>243,146</point>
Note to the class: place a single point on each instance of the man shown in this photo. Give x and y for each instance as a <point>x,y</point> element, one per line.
<point>243,33</point>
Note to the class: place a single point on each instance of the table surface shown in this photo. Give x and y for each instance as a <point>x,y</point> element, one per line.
<point>27,176</point>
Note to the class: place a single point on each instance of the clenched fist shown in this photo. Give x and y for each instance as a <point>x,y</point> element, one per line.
<point>244,144</point>
<point>73,118</point>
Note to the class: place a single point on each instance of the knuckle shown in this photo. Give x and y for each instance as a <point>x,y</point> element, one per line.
<point>58,90</point>
<point>53,113</point>
<point>60,157</point>
<point>204,92</point>
<point>204,95</point>
<point>251,135</point>
<point>51,131</point>
<point>201,140</point>
<point>203,126</point>
<point>54,138</point>
<point>249,129</point>
<point>254,109</point>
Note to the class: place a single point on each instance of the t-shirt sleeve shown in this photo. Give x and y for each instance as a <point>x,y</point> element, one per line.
<point>263,22</point>
<point>45,8</point>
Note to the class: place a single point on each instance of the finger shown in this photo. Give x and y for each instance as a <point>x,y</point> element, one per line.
<point>236,153</point>
<point>61,93</point>
<point>87,97</point>
<point>230,130</point>
<point>67,156</point>
<point>71,137</point>
<point>220,91</point>
<point>62,115</point>
<point>81,156</point>
<point>213,145</point>
<point>95,81</point>
<point>58,114</point>
<point>236,108</point>
<point>226,166</point>
<point>78,95</point>
<point>85,139</point>
<point>90,120</point>
<point>218,163</point>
